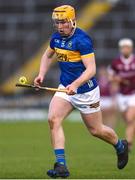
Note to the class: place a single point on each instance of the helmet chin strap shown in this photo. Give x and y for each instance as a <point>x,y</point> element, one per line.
<point>73,24</point>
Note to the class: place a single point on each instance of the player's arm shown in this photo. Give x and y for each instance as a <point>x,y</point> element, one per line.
<point>85,47</point>
<point>46,61</point>
<point>89,63</point>
<point>114,78</point>
<point>117,79</point>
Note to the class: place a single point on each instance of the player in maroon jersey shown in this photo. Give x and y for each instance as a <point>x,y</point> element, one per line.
<point>123,73</point>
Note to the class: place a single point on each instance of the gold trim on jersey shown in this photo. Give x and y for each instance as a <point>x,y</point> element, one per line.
<point>69,55</point>
<point>87,55</point>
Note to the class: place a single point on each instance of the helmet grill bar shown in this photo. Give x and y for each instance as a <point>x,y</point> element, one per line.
<point>59,11</point>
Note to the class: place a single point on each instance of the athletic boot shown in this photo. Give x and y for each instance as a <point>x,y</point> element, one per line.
<point>59,170</point>
<point>123,156</point>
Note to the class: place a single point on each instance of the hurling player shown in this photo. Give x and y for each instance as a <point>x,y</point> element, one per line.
<point>75,56</point>
<point>123,73</point>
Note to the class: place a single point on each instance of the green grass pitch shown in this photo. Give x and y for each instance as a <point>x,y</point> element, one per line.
<point>25,152</point>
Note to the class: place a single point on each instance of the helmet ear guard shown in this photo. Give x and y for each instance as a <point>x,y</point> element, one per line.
<point>73,23</point>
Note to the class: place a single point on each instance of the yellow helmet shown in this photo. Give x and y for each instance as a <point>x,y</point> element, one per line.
<point>64,12</point>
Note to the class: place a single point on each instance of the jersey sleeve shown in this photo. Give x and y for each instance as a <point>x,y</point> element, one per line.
<point>85,47</point>
<point>113,67</point>
<point>52,44</point>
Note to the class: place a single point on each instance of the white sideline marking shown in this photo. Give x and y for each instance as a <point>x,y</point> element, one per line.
<point>31,115</point>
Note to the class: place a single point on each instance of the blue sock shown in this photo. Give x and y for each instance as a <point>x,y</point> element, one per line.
<point>60,156</point>
<point>119,147</point>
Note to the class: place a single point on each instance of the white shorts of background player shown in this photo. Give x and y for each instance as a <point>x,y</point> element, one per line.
<point>125,101</point>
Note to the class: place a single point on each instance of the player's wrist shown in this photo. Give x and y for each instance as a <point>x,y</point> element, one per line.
<point>76,84</point>
<point>41,74</point>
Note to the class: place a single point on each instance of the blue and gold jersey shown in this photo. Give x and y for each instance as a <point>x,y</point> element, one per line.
<point>69,53</point>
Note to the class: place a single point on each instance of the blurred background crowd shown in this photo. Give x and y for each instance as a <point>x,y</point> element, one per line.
<point>25,29</point>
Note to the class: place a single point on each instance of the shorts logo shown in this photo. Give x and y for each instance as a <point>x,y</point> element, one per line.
<point>95,105</point>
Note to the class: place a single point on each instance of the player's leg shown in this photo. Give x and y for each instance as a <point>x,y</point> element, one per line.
<point>58,110</point>
<point>126,105</point>
<point>109,111</point>
<point>129,117</point>
<point>95,126</point>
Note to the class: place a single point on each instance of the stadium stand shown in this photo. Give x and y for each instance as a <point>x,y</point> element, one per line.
<point>88,13</point>
<point>118,23</point>
<point>24,27</point>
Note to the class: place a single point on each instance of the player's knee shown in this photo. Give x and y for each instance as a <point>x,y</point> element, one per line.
<point>50,123</point>
<point>53,122</point>
<point>95,132</point>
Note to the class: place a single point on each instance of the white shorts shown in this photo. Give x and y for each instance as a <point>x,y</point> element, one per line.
<point>86,103</point>
<point>125,101</point>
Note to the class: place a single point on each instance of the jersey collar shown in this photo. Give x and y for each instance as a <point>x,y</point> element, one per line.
<point>127,60</point>
<point>67,37</point>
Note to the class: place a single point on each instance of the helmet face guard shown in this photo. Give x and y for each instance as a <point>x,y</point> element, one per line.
<point>62,21</point>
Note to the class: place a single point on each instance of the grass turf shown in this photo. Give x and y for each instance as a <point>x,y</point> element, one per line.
<point>25,152</point>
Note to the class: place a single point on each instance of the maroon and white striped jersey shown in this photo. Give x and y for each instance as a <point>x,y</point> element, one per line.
<point>125,68</point>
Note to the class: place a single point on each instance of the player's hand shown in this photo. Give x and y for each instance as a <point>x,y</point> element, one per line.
<point>38,80</point>
<point>71,89</point>
<point>117,79</point>
<point>126,82</point>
